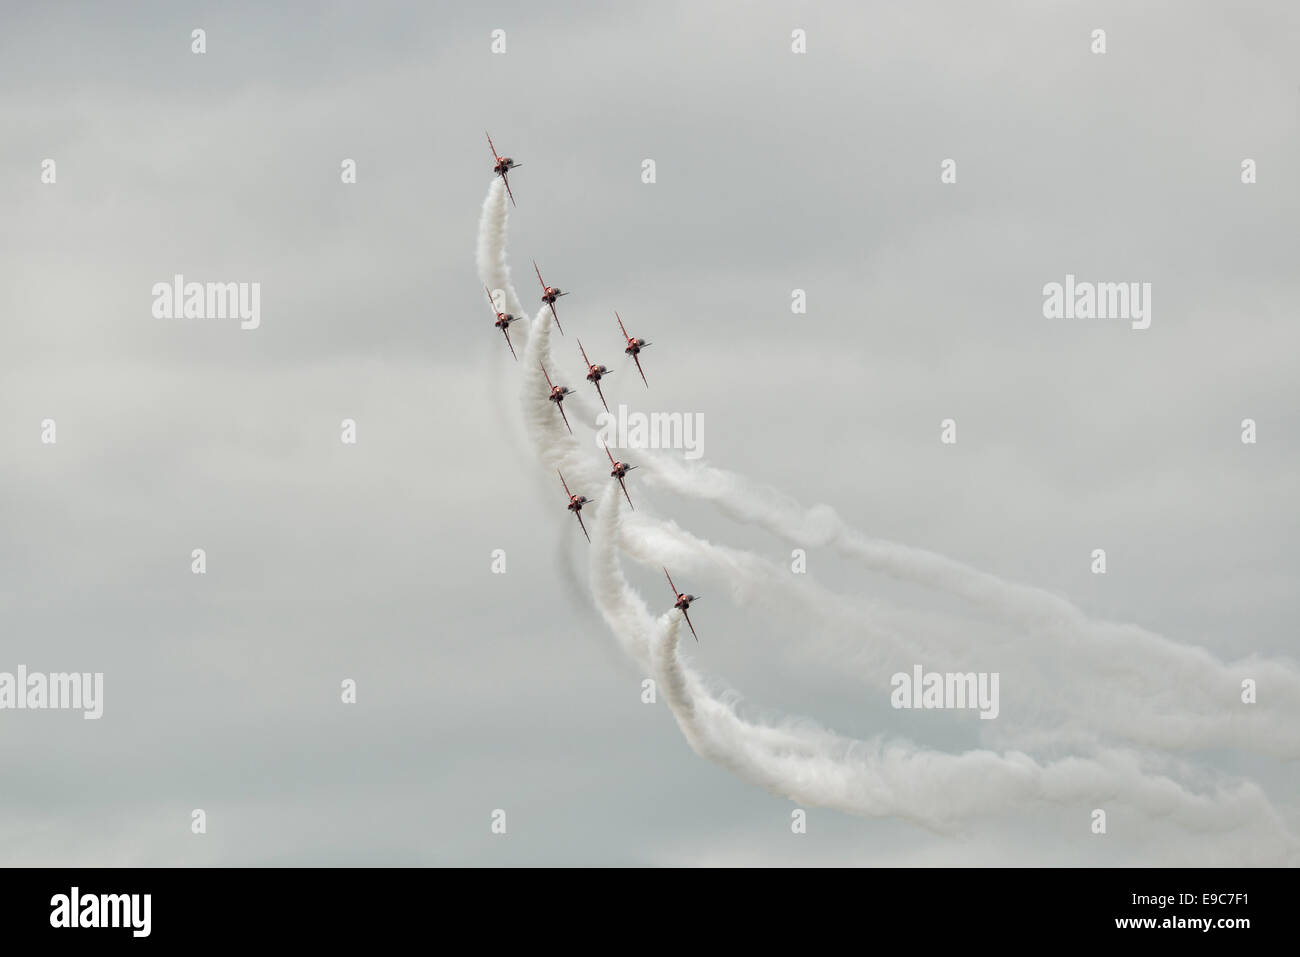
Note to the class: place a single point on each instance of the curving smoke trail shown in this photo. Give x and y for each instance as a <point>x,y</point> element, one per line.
<point>1174,695</point>
<point>1151,712</point>
<point>939,791</point>
<point>814,766</point>
<point>493,268</point>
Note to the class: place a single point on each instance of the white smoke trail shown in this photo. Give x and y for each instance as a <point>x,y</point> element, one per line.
<point>493,268</point>
<point>623,610</point>
<point>1173,695</point>
<point>939,791</point>
<point>1105,705</point>
<point>554,445</point>
<point>550,437</point>
<point>815,766</point>
<point>494,272</point>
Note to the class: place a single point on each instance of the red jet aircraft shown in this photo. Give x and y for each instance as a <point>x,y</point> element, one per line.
<point>575,504</point>
<point>503,320</point>
<point>501,165</point>
<point>558,392</point>
<point>594,374</point>
<point>634,347</point>
<point>620,469</point>
<point>549,295</point>
<point>683,602</point>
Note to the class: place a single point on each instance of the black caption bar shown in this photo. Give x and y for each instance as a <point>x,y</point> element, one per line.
<point>238,905</point>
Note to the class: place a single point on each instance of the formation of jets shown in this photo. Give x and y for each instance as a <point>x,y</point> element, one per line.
<point>501,166</point>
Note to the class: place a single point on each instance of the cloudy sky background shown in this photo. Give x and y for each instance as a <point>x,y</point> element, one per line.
<point>775,172</point>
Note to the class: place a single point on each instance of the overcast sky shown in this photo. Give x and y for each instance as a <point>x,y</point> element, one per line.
<point>775,171</point>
